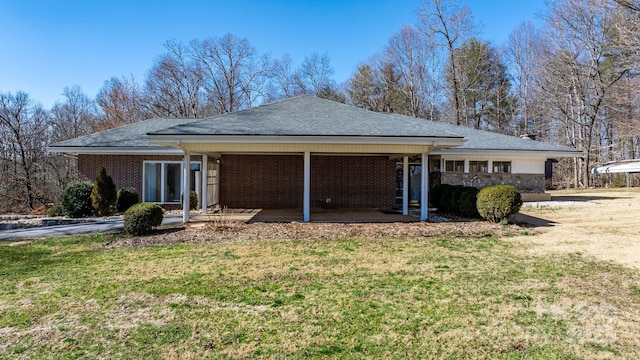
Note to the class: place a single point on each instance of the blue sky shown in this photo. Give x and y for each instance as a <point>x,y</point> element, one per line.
<point>47,45</point>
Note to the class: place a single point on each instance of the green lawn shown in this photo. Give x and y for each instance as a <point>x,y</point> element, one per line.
<point>343,298</point>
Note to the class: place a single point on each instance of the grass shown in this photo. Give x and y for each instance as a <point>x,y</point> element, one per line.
<point>73,297</point>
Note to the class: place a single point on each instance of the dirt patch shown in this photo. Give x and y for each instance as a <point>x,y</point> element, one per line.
<point>607,230</point>
<point>238,232</point>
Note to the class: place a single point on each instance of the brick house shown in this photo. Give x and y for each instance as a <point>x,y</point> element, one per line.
<point>307,152</point>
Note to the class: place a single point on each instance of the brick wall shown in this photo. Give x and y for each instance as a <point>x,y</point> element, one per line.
<point>126,170</point>
<point>261,181</point>
<point>276,181</point>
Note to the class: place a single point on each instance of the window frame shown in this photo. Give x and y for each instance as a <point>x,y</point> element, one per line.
<point>501,168</point>
<point>476,162</point>
<point>163,165</point>
<point>455,164</point>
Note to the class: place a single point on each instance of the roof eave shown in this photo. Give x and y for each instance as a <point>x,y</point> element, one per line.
<point>511,153</point>
<point>115,150</point>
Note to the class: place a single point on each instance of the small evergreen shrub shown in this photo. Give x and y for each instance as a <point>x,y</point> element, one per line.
<point>76,200</point>
<point>496,203</point>
<point>435,195</point>
<point>454,197</point>
<point>103,193</point>
<point>127,197</point>
<point>139,219</point>
<point>467,200</point>
<point>56,211</point>
<point>193,200</point>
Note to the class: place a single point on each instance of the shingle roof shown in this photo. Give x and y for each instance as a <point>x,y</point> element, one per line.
<point>133,135</point>
<point>486,140</point>
<point>306,116</point>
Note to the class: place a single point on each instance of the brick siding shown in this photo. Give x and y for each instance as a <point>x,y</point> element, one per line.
<point>126,170</point>
<point>276,181</point>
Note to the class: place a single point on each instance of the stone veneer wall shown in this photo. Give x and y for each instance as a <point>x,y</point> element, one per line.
<point>526,183</point>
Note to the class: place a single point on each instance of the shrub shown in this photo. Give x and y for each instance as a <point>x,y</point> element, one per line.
<point>76,200</point>
<point>103,194</point>
<point>496,203</point>
<point>139,219</point>
<point>193,200</point>
<point>127,197</point>
<point>55,211</point>
<point>435,195</point>
<point>467,200</point>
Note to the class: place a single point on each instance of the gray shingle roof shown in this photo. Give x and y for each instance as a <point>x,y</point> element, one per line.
<point>133,135</point>
<point>306,116</point>
<point>485,140</point>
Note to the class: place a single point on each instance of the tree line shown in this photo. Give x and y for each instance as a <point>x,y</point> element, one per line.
<point>572,82</point>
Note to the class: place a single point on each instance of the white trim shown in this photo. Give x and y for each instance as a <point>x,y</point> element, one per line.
<point>306,201</point>
<point>162,178</point>
<point>204,170</point>
<point>116,150</point>
<point>405,185</point>
<point>186,186</point>
<point>424,191</point>
<point>508,153</point>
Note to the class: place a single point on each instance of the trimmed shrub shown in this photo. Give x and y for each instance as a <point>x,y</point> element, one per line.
<point>139,219</point>
<point>127,197</point>
<point>76,200</point>
<point>435,195</point>
<point>496,203</point>
<point>467,200</point>
<point>103,194</point>
<point>55,211</point>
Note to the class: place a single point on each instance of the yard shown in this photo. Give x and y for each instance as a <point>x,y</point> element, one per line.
<point>557,287</point>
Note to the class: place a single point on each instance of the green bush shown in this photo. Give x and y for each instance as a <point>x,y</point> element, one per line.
<point>497,203</point>
<point>76,200</point>
<point>55,211</point>
<point>193,200</point>
<point>127,197</point>
<point>467,200</point>
<point>103,194</point>
<point>139,219</point>
<point>435,195</point>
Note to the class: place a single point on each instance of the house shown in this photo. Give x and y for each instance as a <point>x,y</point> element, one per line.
<point>307,152</point>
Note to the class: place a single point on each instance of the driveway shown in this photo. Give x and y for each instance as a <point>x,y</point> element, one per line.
<point>75,229</point>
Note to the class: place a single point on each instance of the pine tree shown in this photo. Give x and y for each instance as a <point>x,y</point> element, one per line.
<point>103,194</point>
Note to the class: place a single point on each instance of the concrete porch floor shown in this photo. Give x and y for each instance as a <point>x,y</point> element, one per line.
<point>317,215</point>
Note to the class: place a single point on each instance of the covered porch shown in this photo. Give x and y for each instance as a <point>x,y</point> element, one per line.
<point>318,215</point>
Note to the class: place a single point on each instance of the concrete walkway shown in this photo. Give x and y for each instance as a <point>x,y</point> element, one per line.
<point>75,229</point>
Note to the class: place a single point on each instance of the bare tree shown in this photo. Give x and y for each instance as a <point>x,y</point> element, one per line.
<point>122,102</point>
<point>174,83</point>
<point>315,74</point>
<point>581,69</point>
<point>234,75</point>
<point>24,133</point>
<point>452,24</point>
<point>284,79</point>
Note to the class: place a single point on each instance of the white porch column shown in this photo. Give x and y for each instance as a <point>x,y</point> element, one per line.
<point>185,186</point>
<point>203,194</point>
<point>405,186</point>
<point>307,186</point>
<point>424,193</point>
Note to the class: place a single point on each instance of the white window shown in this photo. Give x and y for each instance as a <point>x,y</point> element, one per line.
<point>162,181</point>
<point>478,166</point>
<point>502,166</point>
<point>454,165</point>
